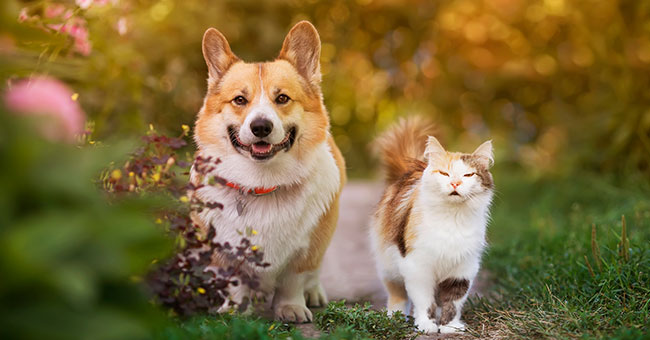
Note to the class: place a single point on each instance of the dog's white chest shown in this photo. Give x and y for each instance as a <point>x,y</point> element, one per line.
<point>283,219</point>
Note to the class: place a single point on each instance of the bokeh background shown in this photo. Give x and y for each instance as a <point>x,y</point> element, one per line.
<point>561,86</point>
<point>556,83</point>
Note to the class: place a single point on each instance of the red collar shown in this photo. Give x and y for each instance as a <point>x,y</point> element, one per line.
<point>259,191</point>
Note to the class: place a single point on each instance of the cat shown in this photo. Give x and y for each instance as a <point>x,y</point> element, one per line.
<point>428,232</point>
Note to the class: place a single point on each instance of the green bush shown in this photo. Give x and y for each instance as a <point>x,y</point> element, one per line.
<point>71,260</point>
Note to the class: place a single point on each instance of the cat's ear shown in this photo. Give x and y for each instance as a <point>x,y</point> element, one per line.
<point>433,148</point>
<point>301,48</point>
<point>217,53</point>
<point>484,153</point>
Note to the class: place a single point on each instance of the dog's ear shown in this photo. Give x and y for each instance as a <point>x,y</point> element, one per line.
<point>301,48</point>
<point>217,54</point>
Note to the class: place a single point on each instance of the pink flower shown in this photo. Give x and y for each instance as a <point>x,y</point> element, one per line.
<point>58,27</point>
<point>23,16</point>
<point>84,47</point>
<point>48,97</point>
<point>122,26</point>
<point>54,10</point>
<point>84,4</point>
<point>68,14</point>
<point>78,30</point>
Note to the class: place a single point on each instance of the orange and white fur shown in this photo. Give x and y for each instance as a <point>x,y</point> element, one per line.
<point>268,125</point>
<point>429,229</point>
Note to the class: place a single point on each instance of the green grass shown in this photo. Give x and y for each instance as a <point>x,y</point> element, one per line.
<point>365,322</point>
<point>561,268</point>
<point>236,327</point>
<point>562,264</point>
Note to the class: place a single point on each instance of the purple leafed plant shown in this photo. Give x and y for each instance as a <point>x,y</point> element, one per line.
<point>186,283</point>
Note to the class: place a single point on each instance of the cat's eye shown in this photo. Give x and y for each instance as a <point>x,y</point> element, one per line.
<point>470,174</point>
<point>443,173</point>
<point>240,101</point>
<point>282,99</point>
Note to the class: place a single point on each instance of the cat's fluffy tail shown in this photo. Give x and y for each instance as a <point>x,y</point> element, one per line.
<point>402,144</point>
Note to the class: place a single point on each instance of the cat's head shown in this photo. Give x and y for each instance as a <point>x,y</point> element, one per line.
<point>458,177</point>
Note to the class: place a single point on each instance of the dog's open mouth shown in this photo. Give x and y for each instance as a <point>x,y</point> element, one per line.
<point>262,150</point>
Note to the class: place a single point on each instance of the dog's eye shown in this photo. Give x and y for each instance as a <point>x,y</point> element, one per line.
<point>282,99</point>
<point>470,174</point>
<point>443,173</point>
<point>240,100</point>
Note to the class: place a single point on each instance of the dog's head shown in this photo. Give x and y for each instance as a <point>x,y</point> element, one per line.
<point>263,113</point>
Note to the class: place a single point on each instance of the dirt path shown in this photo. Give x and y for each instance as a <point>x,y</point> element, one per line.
<point>348,270</point>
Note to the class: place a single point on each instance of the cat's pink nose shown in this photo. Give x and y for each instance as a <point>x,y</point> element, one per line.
<point>455,184</point>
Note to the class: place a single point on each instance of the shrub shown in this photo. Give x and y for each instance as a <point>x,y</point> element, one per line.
<point>71,260</point>
<point>183,282</point>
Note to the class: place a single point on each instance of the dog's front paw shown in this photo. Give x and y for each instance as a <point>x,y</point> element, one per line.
<point>426,325</point>
<point>315,296</point>
<point>453,327</point>
<point>293,313</point>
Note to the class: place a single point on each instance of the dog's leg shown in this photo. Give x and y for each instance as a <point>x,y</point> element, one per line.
<point>289,299</point>
<point>314,293</point>
<point>300,284</point>
<point>310,260</point>
<point>236,296</point>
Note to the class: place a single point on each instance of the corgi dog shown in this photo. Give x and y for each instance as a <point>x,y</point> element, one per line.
<point>428,232</point>
<point>280,171</point>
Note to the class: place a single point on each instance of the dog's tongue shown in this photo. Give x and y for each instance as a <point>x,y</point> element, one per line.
<point>261,147</point>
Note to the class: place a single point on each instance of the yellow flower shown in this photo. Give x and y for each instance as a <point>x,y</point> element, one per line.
<point>151,127</point>
<point>74,97</point>
<point>184,199</point>
<point>185,128</point>
<point>156,177</point>
<point>158,221</point>
<point>254,248</point>
<point>116,174</point>
<point>200,290</point>
<point>254,232</point>
<point>272,326</point>
<point>131,174</point>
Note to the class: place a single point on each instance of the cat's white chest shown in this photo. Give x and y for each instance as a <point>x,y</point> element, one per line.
<point>450,242</point>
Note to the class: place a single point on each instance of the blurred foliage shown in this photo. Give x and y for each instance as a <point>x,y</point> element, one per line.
<point>554,82</point>
<point>70,260</point>
<point>237,327</point>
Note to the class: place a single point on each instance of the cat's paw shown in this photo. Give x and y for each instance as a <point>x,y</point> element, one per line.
<point>293,313</point>
<point>315,297</point>
<point>426,325</point>
<point>453,327</point>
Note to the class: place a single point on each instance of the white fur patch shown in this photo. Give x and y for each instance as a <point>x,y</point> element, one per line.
<point>285,218</point>
<point>262,109</point>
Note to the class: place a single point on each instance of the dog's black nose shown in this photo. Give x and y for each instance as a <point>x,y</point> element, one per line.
<point>261,127</point>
